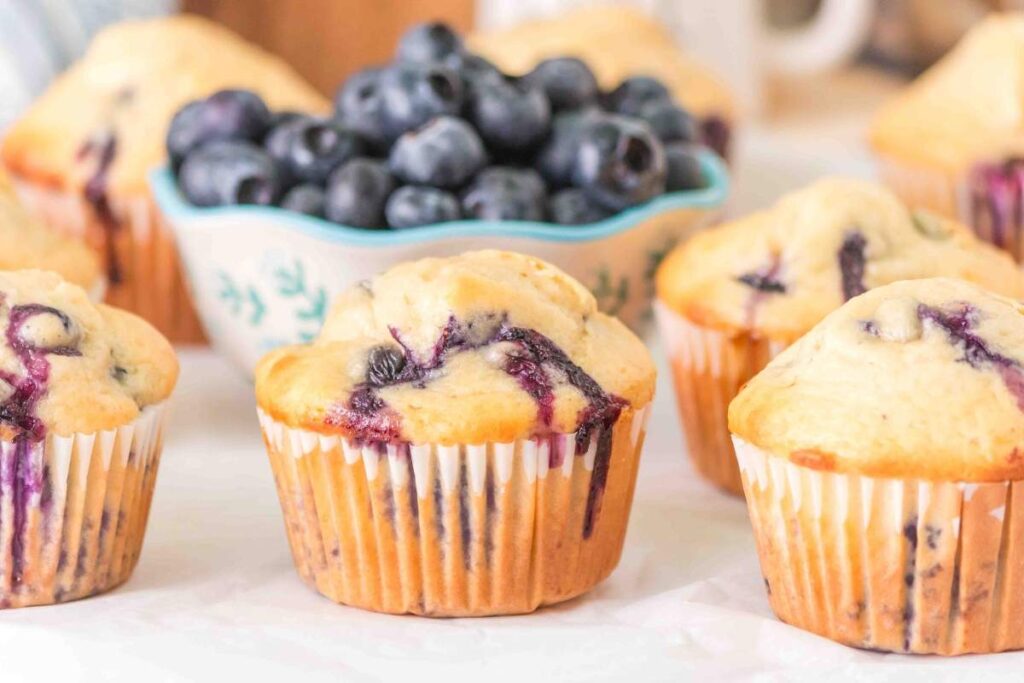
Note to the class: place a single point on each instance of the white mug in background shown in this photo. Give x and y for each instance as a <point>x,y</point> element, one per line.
<point>733,37</point>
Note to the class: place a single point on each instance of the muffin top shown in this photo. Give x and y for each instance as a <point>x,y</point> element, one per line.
<point>777,272</point>
<point>917,379</point>
<point>108,114</point>
<point>26,243</point>
<point>616,42</point>
<point>68,365</point>
<point>488,346</point>
<point>968,107</point>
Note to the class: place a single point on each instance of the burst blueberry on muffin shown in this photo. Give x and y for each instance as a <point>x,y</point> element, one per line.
<point>81,154</point>
<point>81,393</point>
<point>732,297</point>
<point>469,450</point>
<point>954,140</point>
<point>26,243</point>
<point>622,47</point>
<point>881,459</point>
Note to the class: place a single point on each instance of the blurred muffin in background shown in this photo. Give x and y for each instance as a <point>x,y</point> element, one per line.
<point>25,242</point>
<point>618,43</point>
<point>954,140</point>
<point>733,297</point>
<point>80,155</point>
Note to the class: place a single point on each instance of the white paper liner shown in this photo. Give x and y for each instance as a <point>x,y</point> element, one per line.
<point>497,528</point>
<point>73,510</point>
<point>708,369</point>
<point>901,565</point>
<point>153,284</point>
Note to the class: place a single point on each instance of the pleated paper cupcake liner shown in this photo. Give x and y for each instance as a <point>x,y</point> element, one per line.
<point>461,530</point>
<point>708,369</point>
<point>900,565</point>
<point>144,273</point>
<point>995,212</point>
<point>73,510</point>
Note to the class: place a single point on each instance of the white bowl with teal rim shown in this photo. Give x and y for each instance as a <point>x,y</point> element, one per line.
<point>263,277</point>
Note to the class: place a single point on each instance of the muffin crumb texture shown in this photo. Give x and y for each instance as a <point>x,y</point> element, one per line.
<point>484,347</point>
<point>918,379</point>
<point>777,272</point>
<point>70,366</point>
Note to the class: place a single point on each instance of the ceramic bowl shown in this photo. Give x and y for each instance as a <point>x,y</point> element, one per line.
<point>262,277</point>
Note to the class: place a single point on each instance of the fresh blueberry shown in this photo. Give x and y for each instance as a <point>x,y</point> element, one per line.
<point>412,206</point>
<point>445,153</point>
<point>557,157</point>
<point>224,115</point>
<point>412,94</point>
<point>473,69</point>
<point>313,147</point>
<point>306,198</point>
<point>279,118</point>
<point>384,365</point>
<point>428,42</point>
<point>634,93</point>
<point>229,172</point>
<point>567,81</point>
<point>572,206</point>
<point>620,162</point>
<point>503,193</point>
<point>358,103</point>
<point>357,193</point>
<point>510,116</point>
<point>670,122</point>
<point>683,167</point>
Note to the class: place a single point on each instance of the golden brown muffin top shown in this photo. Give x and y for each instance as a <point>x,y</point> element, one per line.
<point>917,379</point>
<point>777,272</point>
<point>25,242</point>
<point>616,42</point>
<point>124,91</point>
<point>488,346</point>
<point>68,365</point>
<point>968,107</point>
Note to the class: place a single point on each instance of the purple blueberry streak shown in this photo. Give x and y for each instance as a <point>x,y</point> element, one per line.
<point>851,264</point>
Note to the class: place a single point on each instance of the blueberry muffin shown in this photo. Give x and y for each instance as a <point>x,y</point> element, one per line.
<point>470,450</point>
<point>81,392</point>
<point>880,455</point>
<point>733,297</point>
<point>81,154</point>
<point>954,140</point>
<point>26,243</point>
<point>619,44</point>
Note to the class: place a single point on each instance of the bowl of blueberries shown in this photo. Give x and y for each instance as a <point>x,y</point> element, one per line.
<point>435,154</point>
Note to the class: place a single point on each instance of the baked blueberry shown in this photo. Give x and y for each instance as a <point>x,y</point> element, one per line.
<point>557,157</point>
<point>358,105</point>
<point>313,147</point>
<point>357,193</point>
<point>306,198</point>
<point>412,94</point>
<point>511,116</point>
<point>432,41</point>
<point>620,162</point>
<point>567,81</point>
<point>635,93</point>
<point>572,206</point>
<point>444,153</point>
<point>412,206</point>
<point>229,172</point>
<point>384,365</point>
<point>505,194</point>
<point>683,170</point>
<point>224,115</point>
<point>670,122</point>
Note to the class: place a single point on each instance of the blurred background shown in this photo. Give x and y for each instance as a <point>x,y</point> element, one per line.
<point>806,73</point>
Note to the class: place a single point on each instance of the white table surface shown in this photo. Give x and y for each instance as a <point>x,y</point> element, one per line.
<point>215,593</point>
